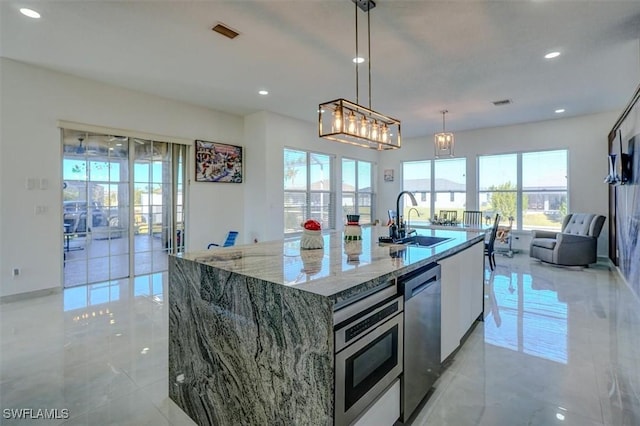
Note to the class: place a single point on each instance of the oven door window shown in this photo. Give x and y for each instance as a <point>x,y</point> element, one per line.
<point>370,364</point>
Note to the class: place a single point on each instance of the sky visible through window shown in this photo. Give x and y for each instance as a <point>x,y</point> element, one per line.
<point>295,164</point>
<point>543,169</point>
<point>349,174</point>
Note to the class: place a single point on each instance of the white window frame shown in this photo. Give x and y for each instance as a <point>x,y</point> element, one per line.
<point>356,192</point>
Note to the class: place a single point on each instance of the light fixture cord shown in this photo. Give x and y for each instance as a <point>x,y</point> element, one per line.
<point>369,53</point>
<point>357,56</point>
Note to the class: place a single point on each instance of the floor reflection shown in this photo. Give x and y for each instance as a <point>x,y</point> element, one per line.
<point>525,315</point>
<point>93,295</point>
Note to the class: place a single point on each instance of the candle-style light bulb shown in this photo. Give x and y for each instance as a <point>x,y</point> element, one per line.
<point>385,133</point>
<point>374,130</point>
<point>352,123</point>
<point>363,127</point>
<point>337,120</point>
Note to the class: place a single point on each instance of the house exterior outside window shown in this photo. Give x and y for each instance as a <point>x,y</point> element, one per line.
<point>309,191</point>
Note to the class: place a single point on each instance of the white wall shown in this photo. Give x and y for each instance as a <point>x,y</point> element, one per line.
<point>33,100</point>
<point>585,137</point>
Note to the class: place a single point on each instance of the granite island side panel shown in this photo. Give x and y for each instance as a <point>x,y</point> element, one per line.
<point>245,351</point>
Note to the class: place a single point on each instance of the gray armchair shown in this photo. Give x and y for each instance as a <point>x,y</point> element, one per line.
<point>575,245</point>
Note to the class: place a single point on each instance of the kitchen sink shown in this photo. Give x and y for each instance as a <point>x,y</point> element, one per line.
<point>424,240</point>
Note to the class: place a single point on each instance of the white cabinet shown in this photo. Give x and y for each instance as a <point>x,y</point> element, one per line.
<point>462,295</point>
<point>471,285</point>
<point>449,306</point>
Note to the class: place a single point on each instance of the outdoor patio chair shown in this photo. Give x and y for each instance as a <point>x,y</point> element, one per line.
<point>230,241</point>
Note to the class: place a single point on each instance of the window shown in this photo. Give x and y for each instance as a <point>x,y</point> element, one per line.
<point>437,185</point>
<point>450,185</point>
<point>529,187</point>
<point>544,189</point>
<point>357,189</point>
<point>416,177</point>
<point>308,190</point>
<point>498,185</point>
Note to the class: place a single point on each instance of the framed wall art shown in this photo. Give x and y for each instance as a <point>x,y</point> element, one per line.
<point>388,175</point>
<point>218,162</point>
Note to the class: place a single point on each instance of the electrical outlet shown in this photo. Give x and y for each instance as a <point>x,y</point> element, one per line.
<point>16,272</point>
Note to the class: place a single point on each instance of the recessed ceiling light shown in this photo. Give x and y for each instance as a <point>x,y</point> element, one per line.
<point>263,92</point>
<point>30,13</point>
<point>358,60</point>
<point>552,55</point>
<point>559,110</point>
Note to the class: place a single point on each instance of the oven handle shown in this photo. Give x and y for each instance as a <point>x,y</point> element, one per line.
<point>340,334</point>
<point>362,304</point>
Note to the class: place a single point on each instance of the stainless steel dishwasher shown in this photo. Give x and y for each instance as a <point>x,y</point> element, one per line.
<point>421,290</point>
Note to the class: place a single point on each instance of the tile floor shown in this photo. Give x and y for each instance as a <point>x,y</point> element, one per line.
<point>558,346</point>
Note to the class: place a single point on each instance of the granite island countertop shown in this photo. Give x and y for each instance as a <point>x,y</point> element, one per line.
<point>342,268</point>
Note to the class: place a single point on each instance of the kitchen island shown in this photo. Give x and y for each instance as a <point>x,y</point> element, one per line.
<point>251,329</point>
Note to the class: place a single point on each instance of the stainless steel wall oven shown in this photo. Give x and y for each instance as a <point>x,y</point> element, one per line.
<point>368,351</point>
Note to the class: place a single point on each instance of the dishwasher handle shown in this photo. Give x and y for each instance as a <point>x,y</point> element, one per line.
<point>417,282</point>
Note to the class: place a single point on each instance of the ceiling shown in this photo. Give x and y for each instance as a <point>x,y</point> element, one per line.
<point>426,56</point>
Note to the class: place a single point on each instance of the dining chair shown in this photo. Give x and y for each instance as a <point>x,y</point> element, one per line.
<point>472,218</point>
<point>489,249</point>
<point>449,215</point>
<point>228,242</point>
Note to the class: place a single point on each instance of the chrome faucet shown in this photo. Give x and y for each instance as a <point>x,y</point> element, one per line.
<point>409,230</point>
<point>413,202</point>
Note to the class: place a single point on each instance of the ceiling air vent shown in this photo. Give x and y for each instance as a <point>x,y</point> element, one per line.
<point>225,31</point>
<point>502,102</point>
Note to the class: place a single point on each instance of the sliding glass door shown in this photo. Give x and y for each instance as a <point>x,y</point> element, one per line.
<point>104,237</point>
<point>158,203</point>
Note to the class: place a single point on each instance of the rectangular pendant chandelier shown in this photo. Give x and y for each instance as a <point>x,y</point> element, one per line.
<point>343,121</point>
